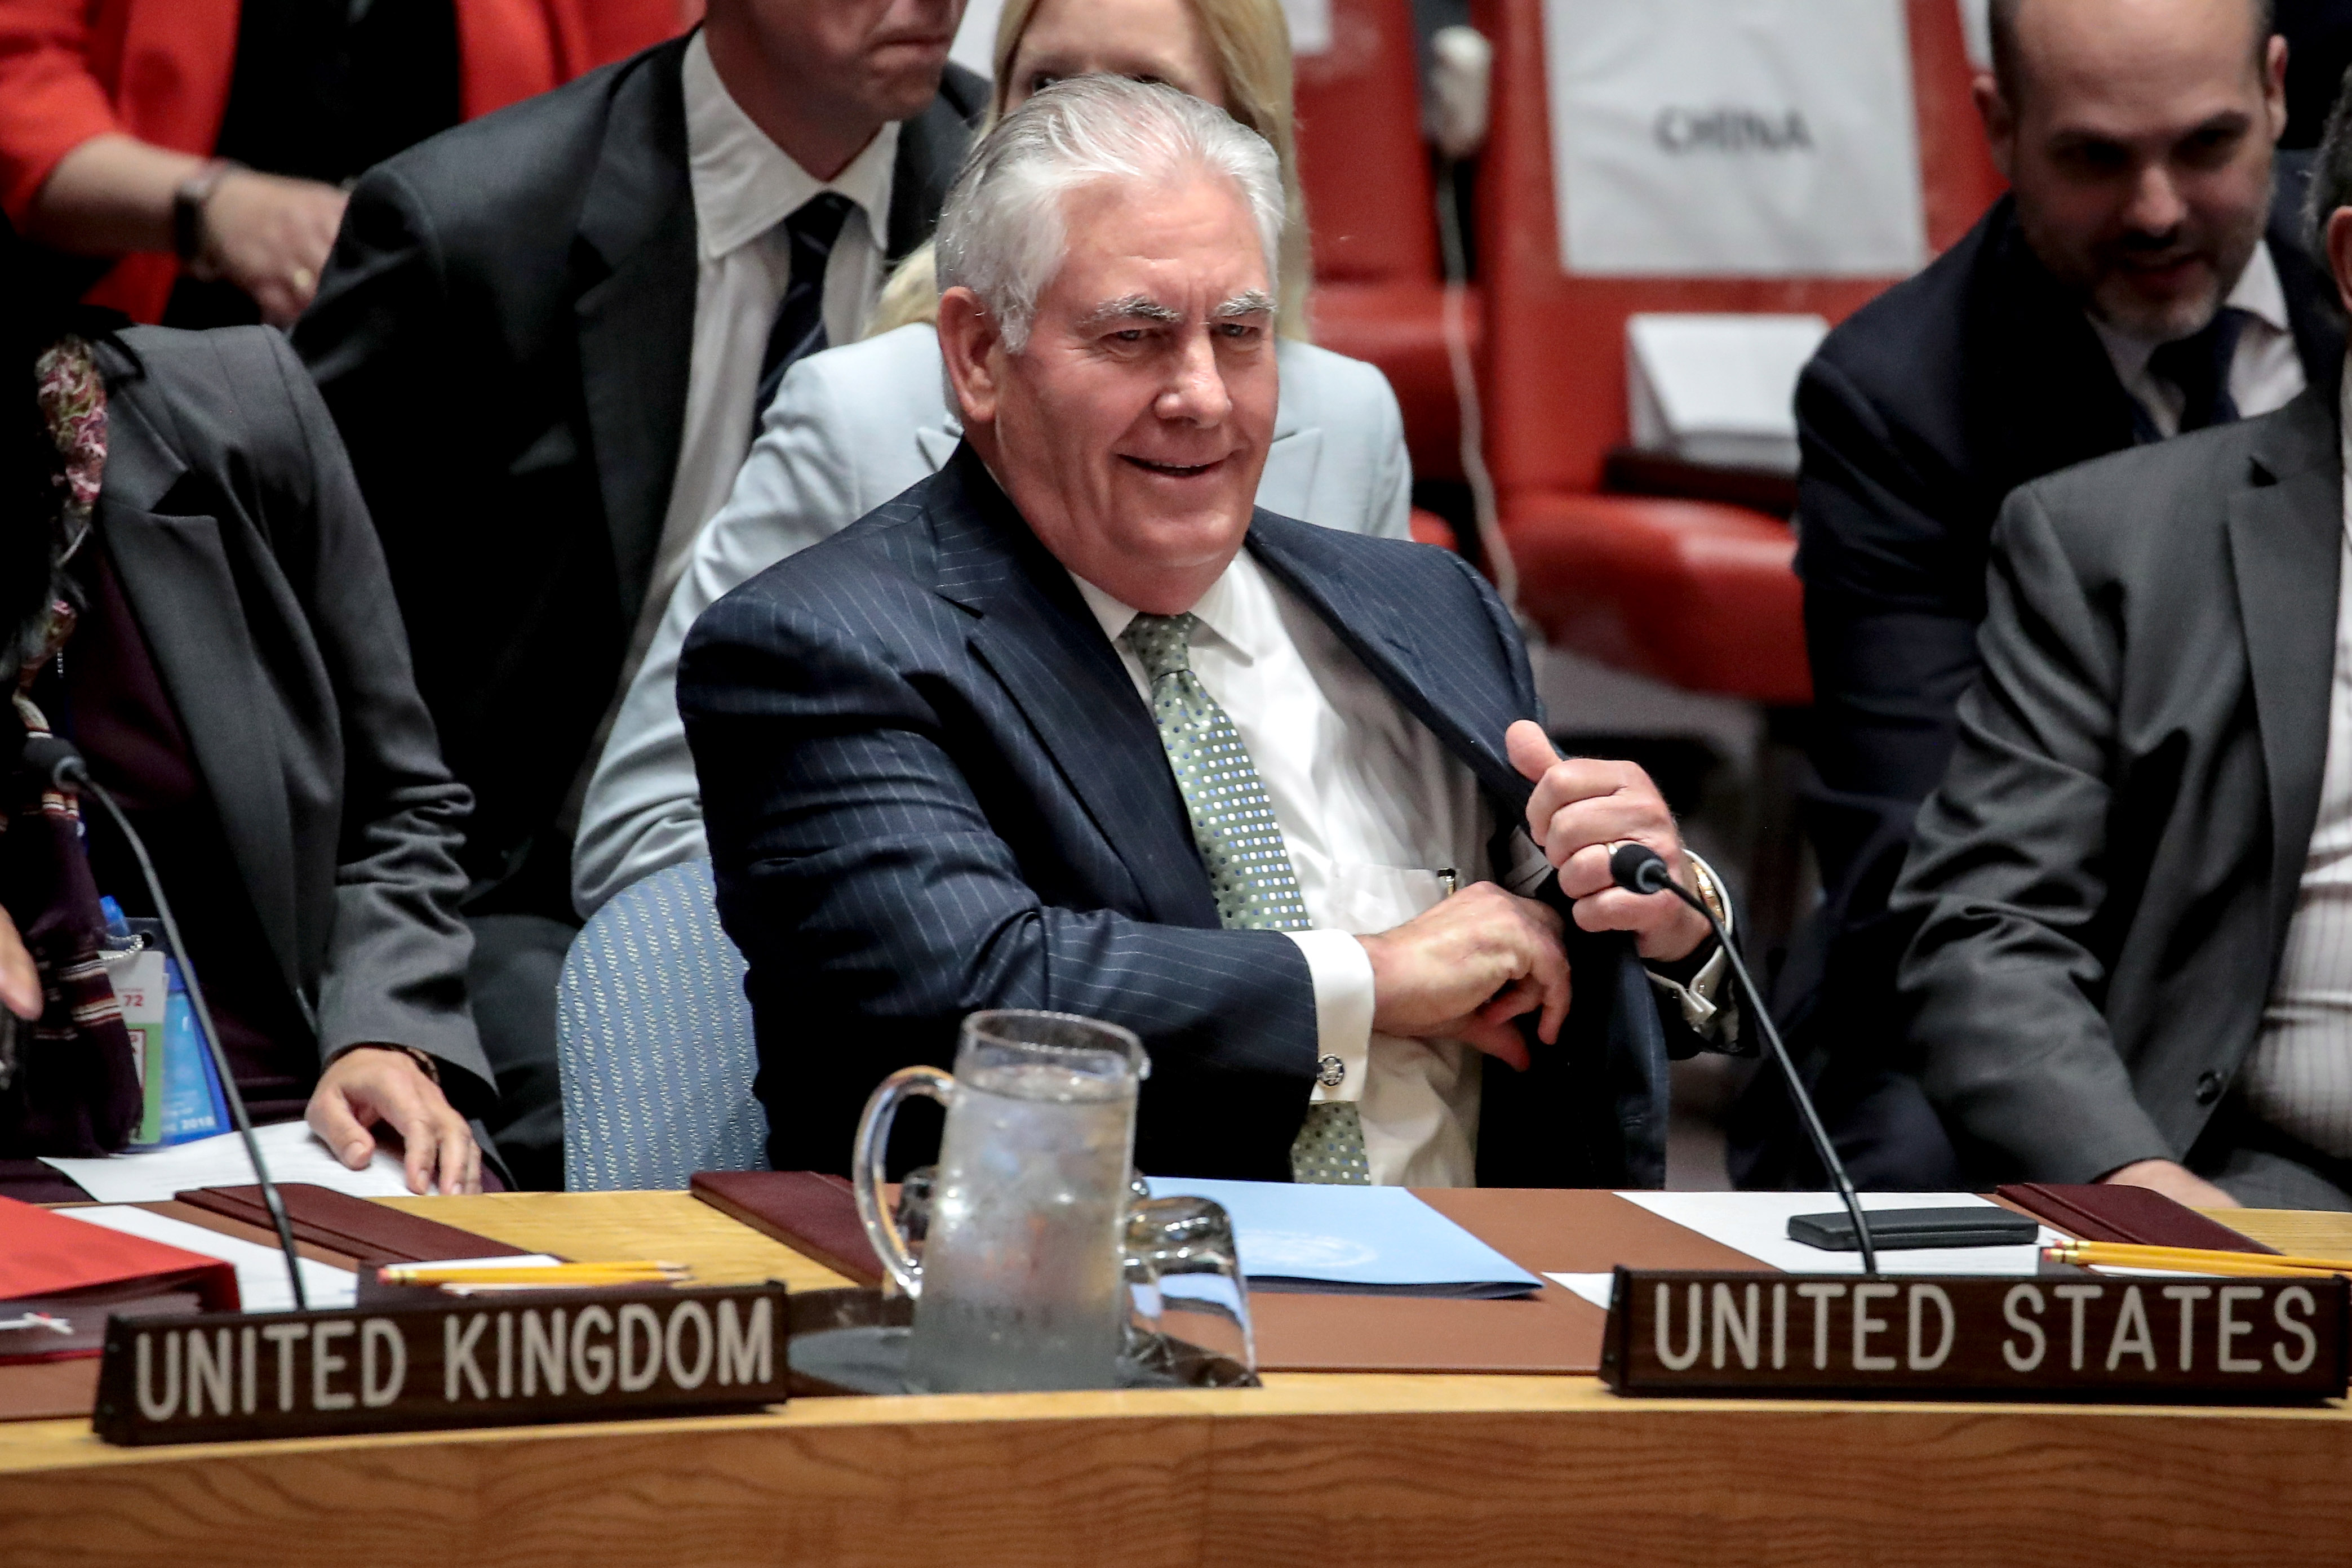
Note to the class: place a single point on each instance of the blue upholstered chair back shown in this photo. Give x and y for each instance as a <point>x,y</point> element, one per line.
<point>655,1040</point>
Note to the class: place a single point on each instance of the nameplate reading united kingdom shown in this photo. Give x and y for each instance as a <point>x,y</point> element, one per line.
<point>2061,1336</point>
<point>484,1360</point>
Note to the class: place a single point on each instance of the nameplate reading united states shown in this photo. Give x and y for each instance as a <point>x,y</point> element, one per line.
<point>484,1360</point>
<point>2060,1335</point>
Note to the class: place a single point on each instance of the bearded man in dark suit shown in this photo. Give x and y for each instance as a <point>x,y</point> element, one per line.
<point>2145,276</point>
<point>1070,725</point>
<point>546,337</point>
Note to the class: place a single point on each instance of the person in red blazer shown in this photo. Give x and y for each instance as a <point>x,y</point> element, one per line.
<point>172,139</point>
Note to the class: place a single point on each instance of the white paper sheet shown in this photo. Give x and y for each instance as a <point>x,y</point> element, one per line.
<point>1756,1223</point>
<point>261,1284</point>
<point>293,1155</point>
<point>1734,138</point>
<point>1718,388</point>
<point>1594,1288</point>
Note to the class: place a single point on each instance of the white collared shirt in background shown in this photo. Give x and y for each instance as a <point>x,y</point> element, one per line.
<point>745,186</point>
<point>2298,1077</point>
<point>2266,373</point>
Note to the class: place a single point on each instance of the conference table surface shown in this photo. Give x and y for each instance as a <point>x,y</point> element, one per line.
<point>1357,1469</point>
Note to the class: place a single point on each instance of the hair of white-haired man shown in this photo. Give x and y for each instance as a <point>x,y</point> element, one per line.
<point>1001,233</point>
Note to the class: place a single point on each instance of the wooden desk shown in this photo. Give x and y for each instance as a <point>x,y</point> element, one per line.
<point>1362,1471</point>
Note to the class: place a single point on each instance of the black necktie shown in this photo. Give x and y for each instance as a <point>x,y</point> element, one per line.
<point>799,330</point>
<point>2199,366</point>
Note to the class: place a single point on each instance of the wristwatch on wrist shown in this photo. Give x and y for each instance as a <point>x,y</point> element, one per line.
<point>1710,888</point>
<point>188,199</point>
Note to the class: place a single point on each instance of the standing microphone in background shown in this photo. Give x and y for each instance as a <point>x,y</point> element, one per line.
<point>58,766</point>
<point>1637,868</point>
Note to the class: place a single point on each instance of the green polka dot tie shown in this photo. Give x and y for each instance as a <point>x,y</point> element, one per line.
<point>1241,844</point>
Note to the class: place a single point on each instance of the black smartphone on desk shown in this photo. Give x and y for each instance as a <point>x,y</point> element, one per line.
<point>1900,1229</point>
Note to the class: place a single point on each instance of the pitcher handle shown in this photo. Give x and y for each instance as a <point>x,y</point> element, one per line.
<point>866,1172</point>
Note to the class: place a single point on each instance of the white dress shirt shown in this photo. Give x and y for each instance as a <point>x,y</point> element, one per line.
<point>2266,373</point>
<point>2299,1076</point>
<point>1373,810</point>
<point>744,187</point>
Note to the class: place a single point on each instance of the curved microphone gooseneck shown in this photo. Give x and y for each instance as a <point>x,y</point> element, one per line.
<point>1637,868</point>
<point>59,766</point>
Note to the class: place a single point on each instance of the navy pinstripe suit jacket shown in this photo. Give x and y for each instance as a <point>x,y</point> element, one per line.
<point>930,788</point>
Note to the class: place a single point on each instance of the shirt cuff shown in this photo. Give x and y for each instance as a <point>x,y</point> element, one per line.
<point>1341,972</point>
<point>1700,996</point>
<point>1697,997</point>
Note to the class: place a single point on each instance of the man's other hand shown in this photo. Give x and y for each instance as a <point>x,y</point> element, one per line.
<point>1465,968</point>
<point>2174,1181</point>
<point>370,1085</point>
<point>1581,806</point>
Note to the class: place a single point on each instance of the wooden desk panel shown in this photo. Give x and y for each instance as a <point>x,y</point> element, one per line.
<point>1365,1470</point>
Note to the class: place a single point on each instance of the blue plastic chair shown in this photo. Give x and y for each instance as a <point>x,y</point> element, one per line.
<point>653,1038</point>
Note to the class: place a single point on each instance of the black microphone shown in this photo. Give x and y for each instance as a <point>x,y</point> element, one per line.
<point>1638,868</point>
<point>57,764</point>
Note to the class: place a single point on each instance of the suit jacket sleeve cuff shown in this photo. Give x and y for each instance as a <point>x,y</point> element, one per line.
<point>1341,972</point>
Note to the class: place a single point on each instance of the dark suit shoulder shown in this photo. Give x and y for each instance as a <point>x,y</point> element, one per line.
<point>1890,349</point>
<point>965,91</point>
<point>234,405</point>
<point>519,172</point>
<point>2134,508</point>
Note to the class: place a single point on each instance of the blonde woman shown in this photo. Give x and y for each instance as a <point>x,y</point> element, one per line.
<point>853,427</point>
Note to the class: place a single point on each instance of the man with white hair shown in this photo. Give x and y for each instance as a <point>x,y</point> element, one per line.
<point>1068,726</point>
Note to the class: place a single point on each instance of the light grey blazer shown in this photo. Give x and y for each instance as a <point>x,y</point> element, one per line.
<point>851,428</point>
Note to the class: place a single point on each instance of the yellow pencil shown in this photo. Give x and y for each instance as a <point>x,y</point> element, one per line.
<point>2189,1261</point>
<point>2215,1254</point>
<point>589,1273</point>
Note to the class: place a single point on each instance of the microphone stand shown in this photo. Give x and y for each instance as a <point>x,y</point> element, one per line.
<point>64,770</point>
<point>1637,868</point>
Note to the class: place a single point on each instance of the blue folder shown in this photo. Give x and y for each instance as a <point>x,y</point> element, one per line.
<point>1367,1240</point>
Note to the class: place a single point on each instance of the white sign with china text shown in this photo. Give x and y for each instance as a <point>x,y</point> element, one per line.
<point>1734,138</point>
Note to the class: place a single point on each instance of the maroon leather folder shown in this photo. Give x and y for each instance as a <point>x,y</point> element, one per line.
<point>814,1214</point>
<point>337,1222</point>
<point>2098,1212</point>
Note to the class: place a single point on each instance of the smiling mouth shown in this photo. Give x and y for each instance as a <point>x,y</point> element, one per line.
<point>1174,470</point>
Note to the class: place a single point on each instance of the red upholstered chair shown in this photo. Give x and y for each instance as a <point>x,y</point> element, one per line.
<point>1696,593</point>
<point>1378,287</point>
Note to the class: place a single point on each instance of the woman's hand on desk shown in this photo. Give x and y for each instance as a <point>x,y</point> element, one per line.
<point>373,1085</point>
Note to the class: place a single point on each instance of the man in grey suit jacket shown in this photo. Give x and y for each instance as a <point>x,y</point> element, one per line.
<point>2127,883</point>
<point>239,679</point>
<point>1072,725</point>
